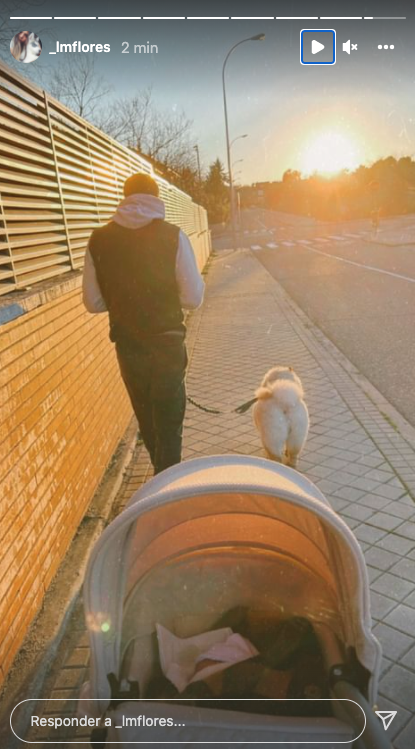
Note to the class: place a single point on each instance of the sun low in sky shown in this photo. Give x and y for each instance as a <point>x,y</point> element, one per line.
<point>329,152</point>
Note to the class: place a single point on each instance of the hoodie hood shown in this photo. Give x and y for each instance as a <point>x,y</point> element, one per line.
<point>138,210</point>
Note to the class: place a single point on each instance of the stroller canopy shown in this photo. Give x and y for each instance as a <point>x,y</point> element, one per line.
<point>218,532</point>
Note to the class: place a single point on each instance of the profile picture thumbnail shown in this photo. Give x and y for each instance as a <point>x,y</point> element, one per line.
<point>26,46</point>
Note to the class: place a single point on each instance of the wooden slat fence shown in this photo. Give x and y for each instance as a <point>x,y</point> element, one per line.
<point>59,178</point>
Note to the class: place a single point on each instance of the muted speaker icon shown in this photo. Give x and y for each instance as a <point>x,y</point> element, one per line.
<point>347,46</point>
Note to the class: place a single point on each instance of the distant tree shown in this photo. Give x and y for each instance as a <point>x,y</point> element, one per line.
<point>362,175</point>
<point>386,188</point>
<point>291,175</point>
<point>77,84</point>
<point>127,119</point>
<point>163,136</point>
<point>216,193</point>
<point>188,181</point>
<point>406,168</point>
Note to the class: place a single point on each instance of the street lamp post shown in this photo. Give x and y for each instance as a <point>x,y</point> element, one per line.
<point>238,137</point>
<point>236,188</point>
<point>238,201</point>
<point>199,196</point>
<point>256,38</point>
<point>238,205</point>
<point>196,148</point>
<point>234,163</point>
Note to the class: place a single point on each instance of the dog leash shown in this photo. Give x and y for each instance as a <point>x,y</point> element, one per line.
<point>239,410</point>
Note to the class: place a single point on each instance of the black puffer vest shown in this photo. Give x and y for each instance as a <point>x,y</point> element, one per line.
<point>136,272</point>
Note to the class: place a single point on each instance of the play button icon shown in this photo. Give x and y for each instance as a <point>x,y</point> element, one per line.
<point>318,47</point>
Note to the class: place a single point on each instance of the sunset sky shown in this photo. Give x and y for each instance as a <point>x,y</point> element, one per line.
<point>297,117</point>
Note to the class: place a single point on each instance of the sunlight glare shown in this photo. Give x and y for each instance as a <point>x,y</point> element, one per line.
<point>328,153</point>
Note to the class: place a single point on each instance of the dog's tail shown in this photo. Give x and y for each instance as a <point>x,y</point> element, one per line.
<point>263,393</point>
<point>287,395</point>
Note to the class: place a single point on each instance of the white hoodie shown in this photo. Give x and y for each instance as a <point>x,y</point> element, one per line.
<point>133,213</point>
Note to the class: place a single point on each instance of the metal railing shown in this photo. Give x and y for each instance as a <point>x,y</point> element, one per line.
<point>59,178</point>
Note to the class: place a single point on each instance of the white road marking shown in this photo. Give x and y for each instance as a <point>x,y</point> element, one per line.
<point>255,247</point>
<point>261,223</point>
<point>337,238</point>
<point>304,241</point>
<point>271,245</point>
<point>288,244</point>
<point>362,265</point>
<point>320,239</point>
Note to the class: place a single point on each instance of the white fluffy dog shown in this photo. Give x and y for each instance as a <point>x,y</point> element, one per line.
<point>281,416</point>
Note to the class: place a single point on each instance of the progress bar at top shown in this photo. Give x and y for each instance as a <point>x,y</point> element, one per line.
<point>208,18</point>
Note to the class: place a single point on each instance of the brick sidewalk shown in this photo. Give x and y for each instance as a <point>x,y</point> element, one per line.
<point>355,454</point>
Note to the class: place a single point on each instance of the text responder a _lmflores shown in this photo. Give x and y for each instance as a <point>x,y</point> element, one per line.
<point>104,721</point>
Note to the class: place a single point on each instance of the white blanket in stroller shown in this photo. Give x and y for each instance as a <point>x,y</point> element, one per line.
<point>183,659</point>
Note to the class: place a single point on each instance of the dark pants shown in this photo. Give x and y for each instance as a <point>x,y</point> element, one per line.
<point>154,374</point>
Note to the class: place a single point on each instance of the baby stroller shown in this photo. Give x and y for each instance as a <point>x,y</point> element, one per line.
<point>254,541</point>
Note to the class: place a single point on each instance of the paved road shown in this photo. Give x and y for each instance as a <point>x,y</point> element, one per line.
<point>357,285</point>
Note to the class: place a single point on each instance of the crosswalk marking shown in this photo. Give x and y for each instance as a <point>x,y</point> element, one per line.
<point>306,243</point>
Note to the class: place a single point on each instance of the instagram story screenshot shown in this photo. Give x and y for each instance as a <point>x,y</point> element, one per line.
<point>207,358</point>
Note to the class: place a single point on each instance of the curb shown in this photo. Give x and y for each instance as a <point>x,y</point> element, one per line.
<point>45,635</point>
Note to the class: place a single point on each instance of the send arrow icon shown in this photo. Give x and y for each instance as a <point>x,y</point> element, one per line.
<point>316,47</point>
<point>386,717</point>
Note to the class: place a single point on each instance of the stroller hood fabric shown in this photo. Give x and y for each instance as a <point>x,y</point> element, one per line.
<point>220,506</point>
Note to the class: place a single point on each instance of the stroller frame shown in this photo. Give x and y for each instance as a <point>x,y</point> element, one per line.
<point>245,495</point>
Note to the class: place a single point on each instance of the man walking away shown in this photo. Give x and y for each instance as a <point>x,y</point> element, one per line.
<point>142,270</point>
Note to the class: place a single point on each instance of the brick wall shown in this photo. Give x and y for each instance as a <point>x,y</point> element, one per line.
<point>63,411</point>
